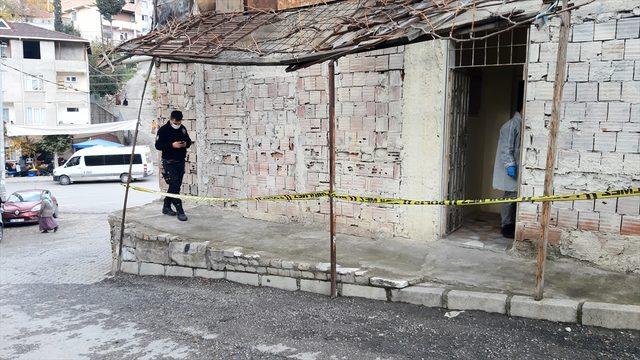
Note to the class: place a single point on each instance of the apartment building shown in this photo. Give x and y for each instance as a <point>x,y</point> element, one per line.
<point>45,76</point>
<point>134,20</point>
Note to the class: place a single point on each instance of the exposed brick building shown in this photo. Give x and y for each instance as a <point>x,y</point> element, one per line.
<point>261,130</point>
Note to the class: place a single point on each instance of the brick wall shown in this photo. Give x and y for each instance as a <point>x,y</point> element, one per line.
<point>599,137</point>
<point>265,133</point>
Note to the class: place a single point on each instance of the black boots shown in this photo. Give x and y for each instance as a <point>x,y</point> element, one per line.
<point>181,215</point>
<point>166,207</point>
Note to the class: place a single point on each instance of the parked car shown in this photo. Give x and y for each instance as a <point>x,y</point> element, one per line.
<point>25,206</point>
<point>104,163</point>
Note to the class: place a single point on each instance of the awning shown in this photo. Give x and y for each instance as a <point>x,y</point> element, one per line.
<point>94,142</point>
<point>304,36</point>
<point>88,129</point>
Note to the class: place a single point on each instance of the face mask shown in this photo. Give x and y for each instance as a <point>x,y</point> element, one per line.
<point>176,126</point>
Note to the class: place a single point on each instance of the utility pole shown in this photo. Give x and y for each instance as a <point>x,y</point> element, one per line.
<point>2,154</point>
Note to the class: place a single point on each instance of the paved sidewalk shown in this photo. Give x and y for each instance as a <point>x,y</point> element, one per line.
<point>441,262</point>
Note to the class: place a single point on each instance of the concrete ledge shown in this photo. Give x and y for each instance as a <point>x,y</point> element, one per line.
<point>368,292</point>
<point>209,274</point>
<point>316,286</point>
<point>560,310</point>
<point>419,295</point>
<point>151,269</point>
<point>179,271</point>
<point>243,278</point>
<point>471,300</point>
<point>611,316</point>
<point>280,282</point>
<point>129,267</point>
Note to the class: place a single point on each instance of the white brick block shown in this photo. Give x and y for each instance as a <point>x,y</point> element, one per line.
<point>628,28</point>
<point>590,50</point>
<point>628,142</point>
<point>243,278</point>
<point>573,52</point>
<point>605,31</point>
<point>578,71</point>
<point>597,111</point>
<point>622,70</point>
<point>543,90</point>
<point>471,300</point>
<point>619,112</point>
<point>586,91</point>
<point>605,141</point>
<point>179,271</point>
<point>574,111</point>
<point>316,286</point>
<point>631,92</point>
<point>280,282</point>
<point>369,292</point>
<point>537,71</point>
<point>129,267</point>
<point>534,53</point>
<point>583,32</point>
<point>548,52</point>
<point>600,71</point>
<point>209,274</point>
<point>151,269</point>
<point>419,295</point>
<point>560,310</point>
<point>610,91</point>
<point>632,49</point>
<point>611,316</point>
<point>613,50</point>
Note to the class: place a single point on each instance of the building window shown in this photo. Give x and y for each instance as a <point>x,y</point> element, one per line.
<point>73,109</point>
<point>5,114</point>
<point>5,50</point>
<point>31,49</point>
<point>34,83</point>
<point>144,17</point>
<point>35,116</point>
<point>74,16</point>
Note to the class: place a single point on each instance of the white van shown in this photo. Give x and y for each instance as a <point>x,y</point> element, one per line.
<point>104,163</point>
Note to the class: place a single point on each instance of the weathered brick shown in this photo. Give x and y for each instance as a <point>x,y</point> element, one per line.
<point>609,91</point>
<point>583,32</point>
<point>631,91</point>
<point>628,28</point>
<point>613,50</point>
<point>632,49</point>
<point>605,31</point>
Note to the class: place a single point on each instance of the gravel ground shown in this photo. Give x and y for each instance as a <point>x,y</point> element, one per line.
<point>146,318</point>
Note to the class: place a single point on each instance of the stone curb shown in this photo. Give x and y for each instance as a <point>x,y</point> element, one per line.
<point>168,255</point>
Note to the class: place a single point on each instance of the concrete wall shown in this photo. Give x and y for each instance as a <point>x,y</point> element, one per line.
<point>598,143</point>
<point>265,132</point>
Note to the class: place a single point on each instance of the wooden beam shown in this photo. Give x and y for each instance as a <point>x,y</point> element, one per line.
<point>561,75</point>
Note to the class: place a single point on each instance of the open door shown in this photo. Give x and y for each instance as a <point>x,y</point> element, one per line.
<point>458,111</point>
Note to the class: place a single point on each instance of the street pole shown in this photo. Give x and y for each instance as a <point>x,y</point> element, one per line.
<point>332,176</point>
<point>558,86</point>
<point>2,154</point>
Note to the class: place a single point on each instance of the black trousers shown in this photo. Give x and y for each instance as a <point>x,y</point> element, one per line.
<point>173,172</point>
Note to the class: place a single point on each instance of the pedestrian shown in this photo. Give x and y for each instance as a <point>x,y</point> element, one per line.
<point>46,220</point>
<point>505,170</point>
<point>173,140</point>
<point>22,162</point>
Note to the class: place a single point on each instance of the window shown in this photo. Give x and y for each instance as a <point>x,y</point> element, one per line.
<point>74,161</point>
<point>94,160</point>
<point>35,116</point>
<point>73,109</point>
<point>31,49</point>
<point>5,50</point>
<point>144,17</point>
<point>71,79</point>
<point>4,25</point>
<point>34,83</point>
<point>5,114</point>
<point>74,16</point>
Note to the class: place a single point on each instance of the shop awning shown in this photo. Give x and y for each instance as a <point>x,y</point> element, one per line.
<point>88,129</point>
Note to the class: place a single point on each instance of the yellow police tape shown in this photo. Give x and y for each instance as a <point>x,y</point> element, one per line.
<point>394,201</point>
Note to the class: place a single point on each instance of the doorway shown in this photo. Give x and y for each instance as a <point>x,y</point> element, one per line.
<point>486,86</point>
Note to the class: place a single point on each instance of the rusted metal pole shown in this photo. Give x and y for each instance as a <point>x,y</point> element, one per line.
<point>561,74</point>
<point>133,151</point>
<point>332,174</point>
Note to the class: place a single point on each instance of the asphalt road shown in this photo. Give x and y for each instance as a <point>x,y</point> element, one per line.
<point>57,301</point>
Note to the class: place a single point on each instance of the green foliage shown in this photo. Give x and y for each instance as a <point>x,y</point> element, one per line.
<point>69,29</point>
<point>54,144</point>
<point>108,8</point>
<point>57,15</point>
<point>106,82</point>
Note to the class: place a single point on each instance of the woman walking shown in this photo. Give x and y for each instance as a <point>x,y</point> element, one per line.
<point>47,222</point>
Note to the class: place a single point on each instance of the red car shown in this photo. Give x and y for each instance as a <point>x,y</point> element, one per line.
<point>24,206</point>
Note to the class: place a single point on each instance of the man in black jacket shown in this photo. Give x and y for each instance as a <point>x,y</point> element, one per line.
<point>173,140</point>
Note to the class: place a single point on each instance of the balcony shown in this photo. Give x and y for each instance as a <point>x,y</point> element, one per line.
<point>71,66</point>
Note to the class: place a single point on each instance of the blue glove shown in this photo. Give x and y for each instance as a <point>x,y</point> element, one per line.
<point>512,171</point>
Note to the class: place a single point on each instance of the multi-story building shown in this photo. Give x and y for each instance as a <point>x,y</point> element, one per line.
<point>45,76</point>
<point>133,20</point>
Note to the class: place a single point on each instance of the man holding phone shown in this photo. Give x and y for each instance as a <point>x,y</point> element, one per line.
<point>173,140</point>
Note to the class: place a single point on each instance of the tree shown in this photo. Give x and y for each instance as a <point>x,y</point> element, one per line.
<point>101,83</point>
<point>57,15</point>
<point>70,29</point>
<point>54,144</point>
<point>109,8</point>
<point>17,10</point>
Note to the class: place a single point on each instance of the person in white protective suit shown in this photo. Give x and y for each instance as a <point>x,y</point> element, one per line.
<point>505,170</point>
